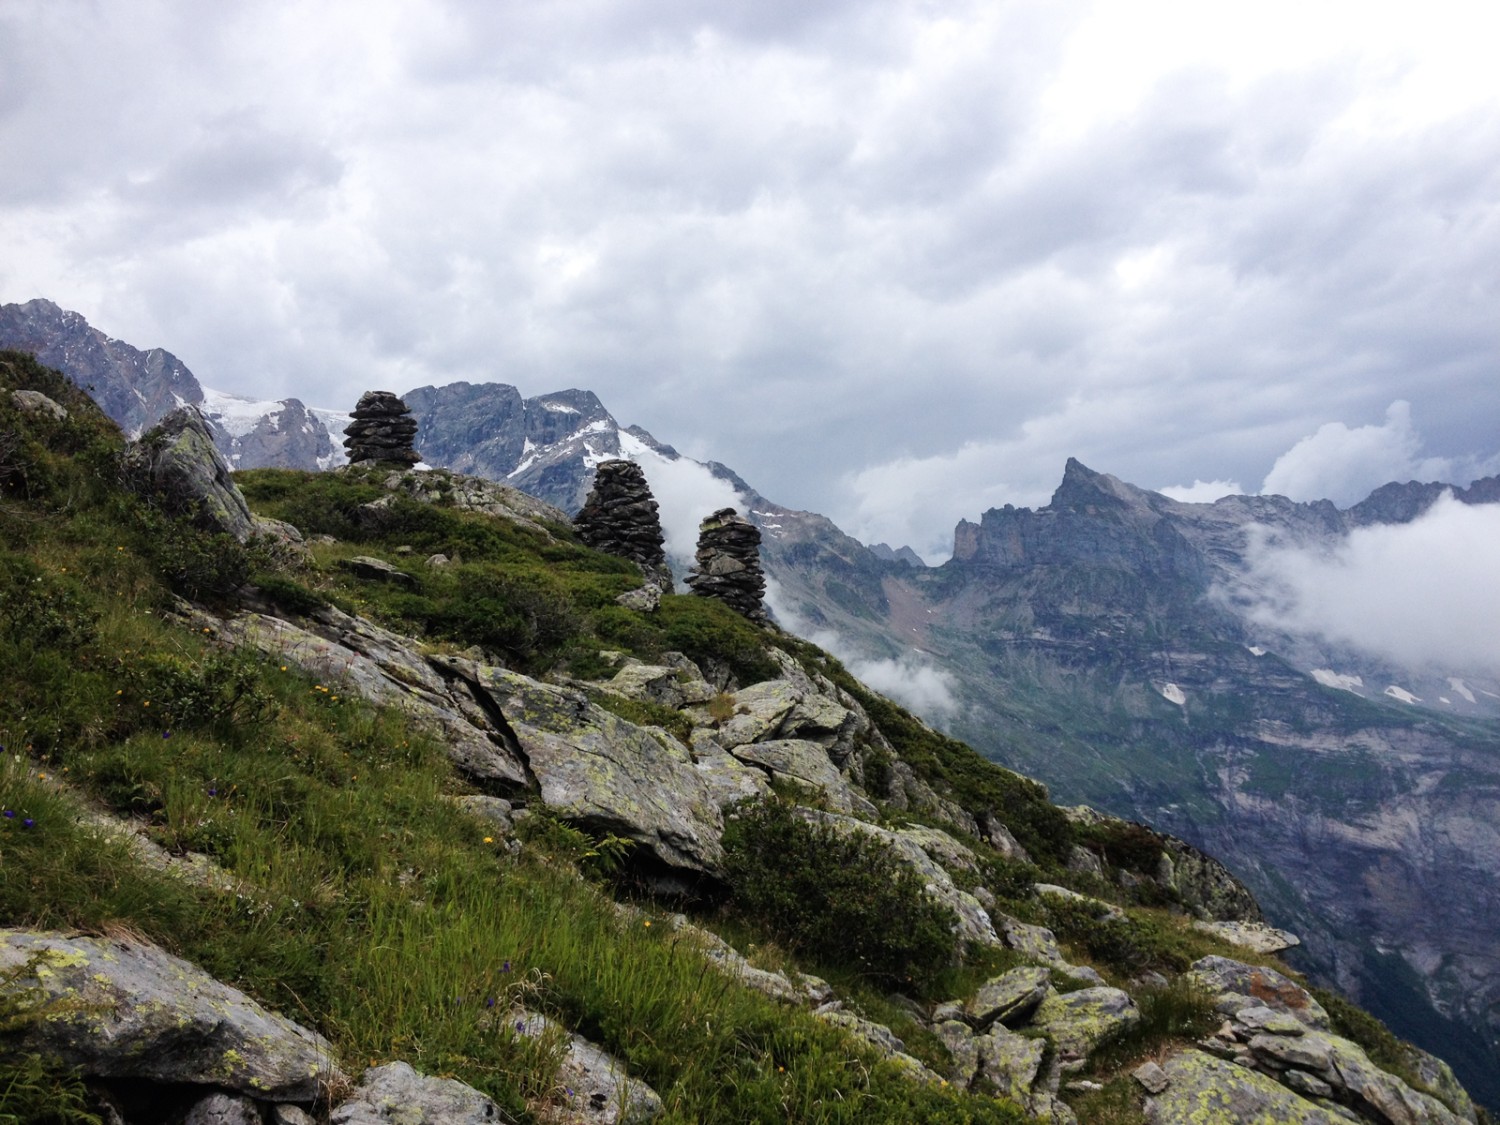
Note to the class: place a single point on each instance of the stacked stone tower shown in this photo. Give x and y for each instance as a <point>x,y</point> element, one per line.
<point>620,518</point>
<point>729,563</point>
<point>382,430</point>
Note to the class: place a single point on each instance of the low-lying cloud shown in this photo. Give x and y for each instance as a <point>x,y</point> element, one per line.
<point>910,679</point>
<point>1422,594</point>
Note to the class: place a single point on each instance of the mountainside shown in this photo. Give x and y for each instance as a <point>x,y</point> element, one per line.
<point>1097,643</point>
<point>136,388</point>
<point>1088,647</point>
<point>423,796</point>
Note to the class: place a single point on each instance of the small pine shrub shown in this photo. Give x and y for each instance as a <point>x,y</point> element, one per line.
<point>837,899</point>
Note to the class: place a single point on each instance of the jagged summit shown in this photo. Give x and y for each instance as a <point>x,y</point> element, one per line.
<point>138,388</point>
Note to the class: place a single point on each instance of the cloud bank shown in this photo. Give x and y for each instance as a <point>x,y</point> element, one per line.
<point>1421,595</point>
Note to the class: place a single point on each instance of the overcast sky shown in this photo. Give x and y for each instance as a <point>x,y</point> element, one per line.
<point>893,262</point>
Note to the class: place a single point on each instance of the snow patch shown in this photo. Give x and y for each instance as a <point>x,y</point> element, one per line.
<point>1402,694</point>
<point>559,408</point>
<point>1256,650</point>
<point>1173,694</point>
<point>1329,678</point>
<point>1461,688</point>
<point>237,414</point>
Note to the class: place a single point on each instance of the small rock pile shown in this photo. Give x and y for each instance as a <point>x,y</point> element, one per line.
<point>620,518</point>
<point>382,430</point>
<point>729,563</point>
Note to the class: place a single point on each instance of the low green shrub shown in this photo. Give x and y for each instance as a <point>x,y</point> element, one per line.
<point>837,899</point>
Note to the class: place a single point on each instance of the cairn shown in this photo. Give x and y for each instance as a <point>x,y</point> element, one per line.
<point>382,430</point>
<point>729,564</point>
<point>620,518</point>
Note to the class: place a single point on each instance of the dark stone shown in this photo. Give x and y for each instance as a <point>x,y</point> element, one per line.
<point>620,518</point>
<point>383,430</point>
<point>729,564</point>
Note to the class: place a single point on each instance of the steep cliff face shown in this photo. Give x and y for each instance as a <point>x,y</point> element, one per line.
<point>1089,648</point>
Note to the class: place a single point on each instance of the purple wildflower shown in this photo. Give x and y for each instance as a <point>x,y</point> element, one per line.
<point>504,968</point>
<point>10,814</point>
<point>27,823</point>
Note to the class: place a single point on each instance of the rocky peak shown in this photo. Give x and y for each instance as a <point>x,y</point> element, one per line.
<point>134,387</point>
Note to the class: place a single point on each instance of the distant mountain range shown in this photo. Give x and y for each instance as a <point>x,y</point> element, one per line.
<point>1089,643</point>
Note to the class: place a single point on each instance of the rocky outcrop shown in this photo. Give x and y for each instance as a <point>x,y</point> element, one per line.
<point>121,1008</point>
<point>592,1087</point>
<point>382,430</point>
<point>729,564</point>
<point>1275,1028</point>
<point>619,517</point>
<point>397,1093</point>
<point>177,466</point>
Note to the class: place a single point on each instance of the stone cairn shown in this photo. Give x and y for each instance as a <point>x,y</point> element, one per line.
<point>382,430</point>
<point>729,563</point>
<point>619,518</point>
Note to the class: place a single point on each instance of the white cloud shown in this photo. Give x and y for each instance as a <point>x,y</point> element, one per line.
<point>686,493</point>
<point>1202,491</point>
<point>1345,465</point>
<point>911,680</point>
<point>1421,595</point>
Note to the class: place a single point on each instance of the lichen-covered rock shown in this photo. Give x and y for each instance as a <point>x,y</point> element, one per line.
<point>1035,943</point>
<point>1009,998</point>
<point>592,1086</point>
<point>958,1038</point>
<point>1438,1077</point>
<point>1254,936</point>
<point>130,1010</point>
<point>34,402</point>
<point>395,1094</point>
<point>807,765</point>
<point>885,1042</point>
<point>596,769</point>
<point>385,668</point>
<point>223,1109</point>
<point>1009,1064</point>
<point>1354,1080</point>
<point>176,465</point>
<point>1238,985</point>
<point>1076,1022</point>
<point>677,685</point>
<point>1203,1089</point>
<point>376,570</point>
